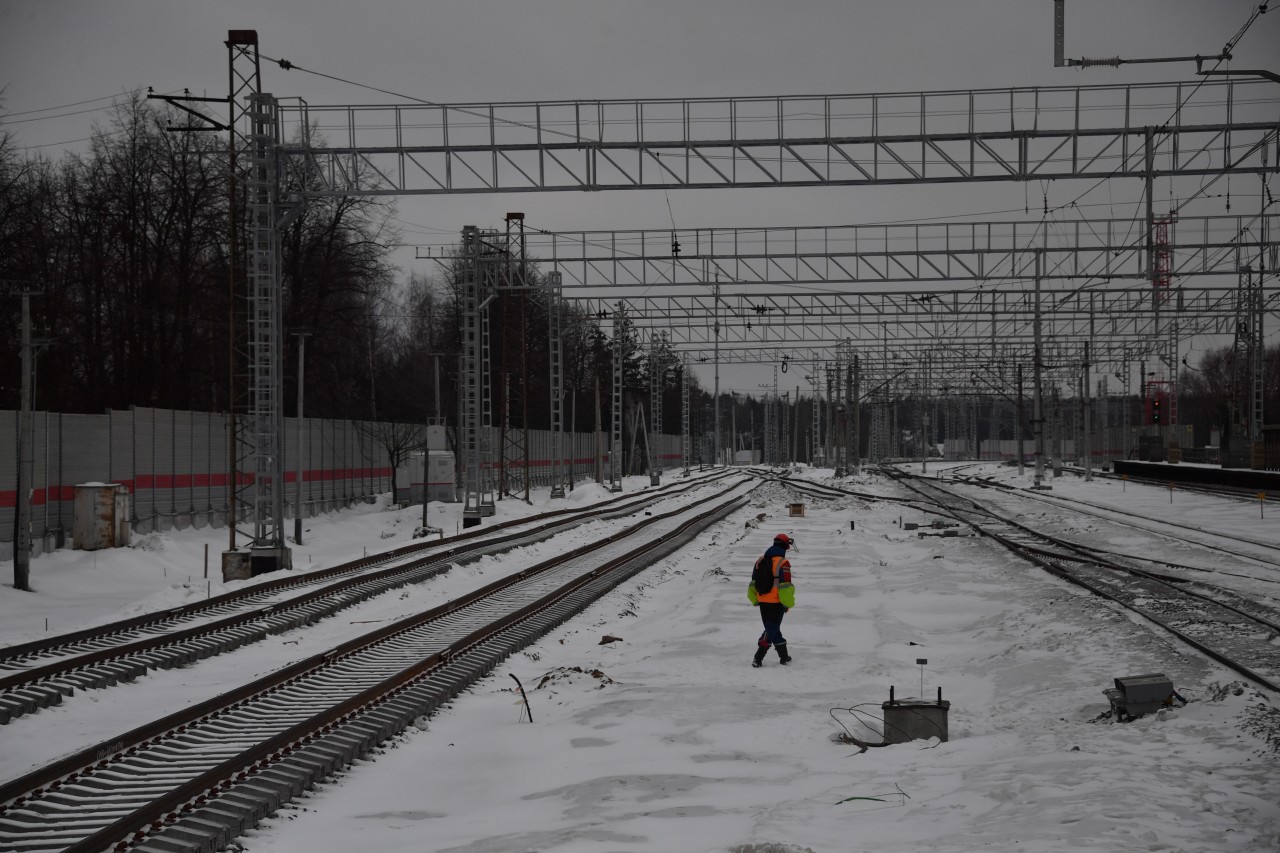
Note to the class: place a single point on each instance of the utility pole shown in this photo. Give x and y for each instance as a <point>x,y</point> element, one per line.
<point>426,452</point>
<point>1018,431</point>
<point>1088,421</point>
<point>795,428</point>
<point>716,395</point>
<point>1037,423</point>
<point>685,436</point>
<point>855,417</point>
<point>924,450</point>
<point>297,477</point>
<point>615,435</point>
<point>733,427</point>
<point>26,443</point>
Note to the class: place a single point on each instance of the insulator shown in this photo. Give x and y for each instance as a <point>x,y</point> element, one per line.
<point>1110,62</point>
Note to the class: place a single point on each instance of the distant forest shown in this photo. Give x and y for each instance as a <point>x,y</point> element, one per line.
<point>128,244</point>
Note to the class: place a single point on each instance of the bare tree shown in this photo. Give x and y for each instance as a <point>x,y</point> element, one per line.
<point>397,440</point>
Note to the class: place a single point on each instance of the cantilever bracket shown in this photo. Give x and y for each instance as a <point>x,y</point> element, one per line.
<point>1269,75</point>
<point>176,100</point>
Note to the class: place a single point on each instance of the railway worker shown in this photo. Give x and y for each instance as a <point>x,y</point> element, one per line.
<point>771,590</point>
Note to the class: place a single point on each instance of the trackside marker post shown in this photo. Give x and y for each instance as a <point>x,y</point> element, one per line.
<point>1262,502</point>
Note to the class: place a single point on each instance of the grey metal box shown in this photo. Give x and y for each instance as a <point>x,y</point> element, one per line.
<point>1144,693</point>
<point>915,719</point>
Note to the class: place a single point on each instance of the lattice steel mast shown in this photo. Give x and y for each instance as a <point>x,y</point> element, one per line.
<point>476,428</point>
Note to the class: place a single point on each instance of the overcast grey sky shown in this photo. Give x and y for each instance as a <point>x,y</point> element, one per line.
<point>60,52</point>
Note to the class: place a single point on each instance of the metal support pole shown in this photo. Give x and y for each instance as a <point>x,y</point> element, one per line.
<point>297,477</point>
<point>26,468</point>
<point>615,438</point>
<point>684,412</point>
<point>922,402</point>
<point>1263,243</point>
<point>655,409</point>
<point>715,441</point>
<point>1088,420</point>
<point>595,438</point>
<point>855,416</point>
<point>474,393</point>
<point>732,428</point>
<point>555,349</point>
<point>795,429</point>
<point>1037,422</point>
<point>1019,432</point>
<point>815,443</point>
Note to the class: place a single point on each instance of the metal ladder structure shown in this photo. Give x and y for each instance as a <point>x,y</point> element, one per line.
<point>834,446</point>
<point>615,432</point>
<point>555,349</point>
<point>509,273</point>
<point>656,372</point>
<point>815,442</point>
<point>476,433</point>
<point>879,438</point>
<point>685,437</point>
<point>268,550</point>
<point>853,457</point>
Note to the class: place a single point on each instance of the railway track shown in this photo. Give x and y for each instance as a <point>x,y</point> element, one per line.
<point>824,491</point>
<point>37,675</point>
<point>198,778</point>
<point>1225,543</point>
<point>1240,632</point>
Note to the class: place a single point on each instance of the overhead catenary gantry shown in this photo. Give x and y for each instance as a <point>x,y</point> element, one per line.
<point>1013,134</point>
<point>1079,250</point>
<point>780,320</point>
<point>1016,134</point>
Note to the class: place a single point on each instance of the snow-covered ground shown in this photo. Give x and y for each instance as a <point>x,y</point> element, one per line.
<point>668,740</point>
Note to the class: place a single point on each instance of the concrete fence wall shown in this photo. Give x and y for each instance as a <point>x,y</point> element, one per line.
<point>175,466</point>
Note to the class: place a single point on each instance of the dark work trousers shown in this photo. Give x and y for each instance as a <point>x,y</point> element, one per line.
<point>771,615</point>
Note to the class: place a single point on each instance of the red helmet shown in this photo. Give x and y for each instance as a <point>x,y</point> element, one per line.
<point>784,539</point>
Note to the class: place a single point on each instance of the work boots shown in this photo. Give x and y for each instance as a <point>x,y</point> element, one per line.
<point>783,657</point>
<point>758,660</point>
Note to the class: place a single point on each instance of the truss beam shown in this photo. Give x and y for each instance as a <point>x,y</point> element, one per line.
<point>809,140</point>
<point>1096,249</point>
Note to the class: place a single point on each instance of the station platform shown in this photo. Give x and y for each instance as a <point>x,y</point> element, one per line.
<point>1200,475</point>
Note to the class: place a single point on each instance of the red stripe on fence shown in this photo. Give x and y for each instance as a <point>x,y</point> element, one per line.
<point>170,482</point>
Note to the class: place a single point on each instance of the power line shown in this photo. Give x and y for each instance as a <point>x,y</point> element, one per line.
<point>287,65</point>
<point>74,104</point>
<point>6,120</point>
<point>1163,128</point>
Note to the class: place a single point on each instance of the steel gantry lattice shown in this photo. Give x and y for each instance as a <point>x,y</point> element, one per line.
<point>803,321</point>
<point>265,332</point>
<point>475,399</point>
<point>1007,134</point>
<point>657,371</point>
<point>1154,130</point>
<point>620,353</point>
<point>1101,250</point>
<point>555,350</point>
<point>257,447</point>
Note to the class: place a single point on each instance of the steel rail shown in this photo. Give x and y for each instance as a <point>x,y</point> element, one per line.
<point>822,490</point>
<point>19,650</point>
<point>1050,562</point>
<point>290,746</point>
<point>1097,512</point>
<point>32,689</point>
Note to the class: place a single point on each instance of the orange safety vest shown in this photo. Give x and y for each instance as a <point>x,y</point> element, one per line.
<point>781,575</point>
